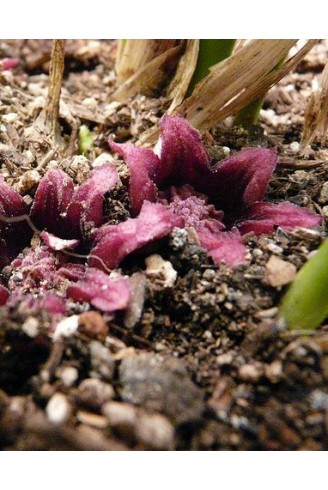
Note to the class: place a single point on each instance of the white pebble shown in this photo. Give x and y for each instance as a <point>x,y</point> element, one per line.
<point>323,198</point>
<point>66,327</point>
<point>294,146</point>
<point>155,431</point>
<point>161,269</point>
<point>102,160</point>
<point>325,211</point>
<point>58,409</point>
<point>68,375</point>
<point>274,248</point>
<point>31,326</point>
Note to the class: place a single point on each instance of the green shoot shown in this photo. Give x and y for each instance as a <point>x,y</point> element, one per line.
<point>249,116</point>
<point>305,305</point>
<point>85,140</point>
<point>211,52</point>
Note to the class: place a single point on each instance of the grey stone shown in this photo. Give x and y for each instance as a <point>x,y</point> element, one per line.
<point>161,384</point>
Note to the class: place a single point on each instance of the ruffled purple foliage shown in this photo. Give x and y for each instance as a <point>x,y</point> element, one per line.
<point>114,243</point>
<point>41,278</point>
<point>70,213</point>
<point>13,236</point>
<point>172,187</point>
<point>211,200</point>
<point>98,289</point>
<point>43,281</point>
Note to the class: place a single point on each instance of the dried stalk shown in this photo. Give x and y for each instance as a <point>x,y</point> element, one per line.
<point>179,84</point>
<point>134,54</point>
<point>316,113</point>
<point>55,83</point>
<point>149,78</point>
<point>239,80</point>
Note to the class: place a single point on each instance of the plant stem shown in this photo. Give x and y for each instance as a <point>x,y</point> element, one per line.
<point>305,305</point>
<point>248,116</point>
<point>211,52</point>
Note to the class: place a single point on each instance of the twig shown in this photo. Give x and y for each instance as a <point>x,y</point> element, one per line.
<point>46,159</point>
<point>302,164</point>
<point>53,361</point>
<point>55,83</point>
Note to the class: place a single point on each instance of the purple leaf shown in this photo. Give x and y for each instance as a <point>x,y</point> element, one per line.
<point>234,185</point>
<point>4,295</point>
<point>85,209</point>
<point>241,180</point>
<point>11,203</point>
<point>227,246</point>
<point>52,197</point>
<point>51,303</point>
<point>115,242</point>
<point>264,217</point>
<point>13,236</point>
<point>57,244</point>
<point>35,269</point>
<point>143,165</point>
<point>73,272</point>
<point>98,289</point>
<point>183,157</point>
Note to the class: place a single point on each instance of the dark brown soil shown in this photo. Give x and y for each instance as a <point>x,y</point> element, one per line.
<point>208,366</point>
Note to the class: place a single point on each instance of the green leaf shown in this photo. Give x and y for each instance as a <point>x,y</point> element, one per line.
<point>305,305</point>
<point>211,52</point>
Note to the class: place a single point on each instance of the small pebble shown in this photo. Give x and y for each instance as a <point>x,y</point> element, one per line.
<point>120,414</point>
<point>31,326</point>
<point>92,419</point>
<point>318,399</point>
<point>92,324</point>
<point>323,197</point>
<point>68,375</point>
<point>161,270</point>
<point>273,371</point>
<point>28,181</point>
<point>179,237</point>
<point>272,247</point>
<point>155,431</point>
<point>66,327</point>
<point>58,409</point>
<point>102,160</point>
<point>94,393</point>
<point>102,361</point>
<point>278,272</point>
<point>250,373</point>
<point>294,146</point>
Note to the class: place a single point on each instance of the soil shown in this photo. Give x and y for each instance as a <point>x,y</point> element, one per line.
<point>207,366</point>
